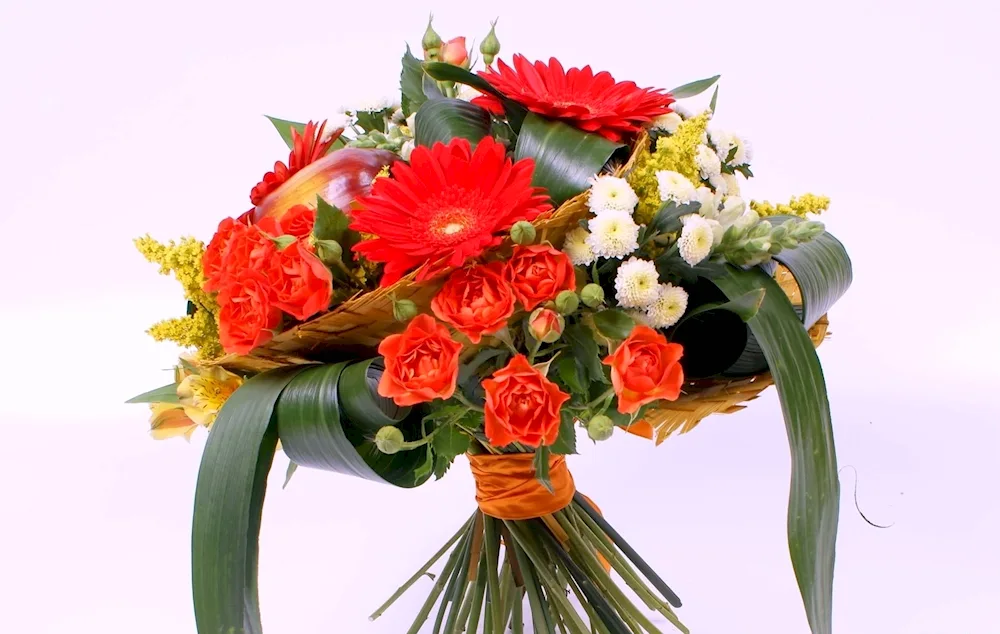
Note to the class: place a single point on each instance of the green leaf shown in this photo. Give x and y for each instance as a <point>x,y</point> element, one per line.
<point>289,472</point>
<point>673,265</point>
<point>814,500</point>
<point>668,218</point>
<point>585,352</point>
<point>821,268</point>
<point>614,324</point>
<point>441,120</point>
<point>744,306</point>
<point>566,442</point>
<point>442,71</point>
<point>565,158</point>
<point>569,372</point>
<point>450,441</point>
<point>541,464</point>
<point>284,128</point>
<point>694,88</point>
<point>331,223</point>
<point>165,394</point>
<point>411,83</point>
<point>371,120</point>
<point>715,100</point>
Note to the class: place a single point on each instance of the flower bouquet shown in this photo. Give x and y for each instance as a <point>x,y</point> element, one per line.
<point>483,267</point>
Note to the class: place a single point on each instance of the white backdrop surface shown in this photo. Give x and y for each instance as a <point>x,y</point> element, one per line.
<point>121,118</point>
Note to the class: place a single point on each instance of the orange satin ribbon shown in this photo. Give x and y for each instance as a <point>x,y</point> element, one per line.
<point>506,489</point>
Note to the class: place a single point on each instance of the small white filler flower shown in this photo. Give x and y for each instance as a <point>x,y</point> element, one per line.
<point>637,284</point>
<point>668,308</point>
<point>675,186</point>
<point>610,193</point>
<point>613,234</point>
<point>576,247</point>
<point>667,122</point>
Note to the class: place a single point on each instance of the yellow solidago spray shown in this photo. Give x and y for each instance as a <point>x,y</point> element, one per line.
<point>200,329</point>
<point>797,206</point>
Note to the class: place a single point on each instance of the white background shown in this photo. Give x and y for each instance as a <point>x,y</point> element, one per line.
<point>120,118</point>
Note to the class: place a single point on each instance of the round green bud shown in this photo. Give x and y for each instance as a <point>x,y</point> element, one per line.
<point>763,229</point>
<point>329,251</point>
<point>404,309</point>
<point>567,302</point>
<point>600,428</point>
<point>592,295</point>
<point>490,46</point>
<point>758,245</point>
<point>431,39</point>
<point>389,440</point>
<point>523,232</point>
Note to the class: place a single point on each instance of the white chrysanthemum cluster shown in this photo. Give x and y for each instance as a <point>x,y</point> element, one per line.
<point>667,122</point>
<point>613,234</point>
<point>727,143</point>
<point>373,104</point>
<point>577,248</point>
<point>708,162</point>
<point>697,238</point>
<point>335,122</point>
<point>668,308</point>
<point>610,193</point>
<point>675,186</point>
<point>637,284</point>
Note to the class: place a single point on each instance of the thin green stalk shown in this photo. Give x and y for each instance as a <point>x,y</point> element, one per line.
<point>438,586</point>
<point>538,608</point>
<point>509,590</point>
<point>492,540</point>
<point>455,617</point>
<point>566,580</point>
<point>420,573</point>
<point>517,618</point>
<point>539,560</point>
<point>633,556</point>
<point>584,553</point>
<point>478,594</point>
<point>457,578</point>
<point>622,567</point>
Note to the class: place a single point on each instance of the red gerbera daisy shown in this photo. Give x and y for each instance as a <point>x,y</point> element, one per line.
<point>306,148</point>
<point>594,103</point>
<point>448,205</point>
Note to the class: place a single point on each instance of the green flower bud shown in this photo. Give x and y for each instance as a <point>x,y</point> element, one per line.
<point>762,230</point>
<point>329,251</point>
<point>490,47</point>
<point>600,428</point>
<point>431,39</point>
<point>404,309</point>
<point>377,136</point>
<point>775,249</point>
<point>788,242</point>
<point>592,295</point>
<point>567,302</point>
<point>546,325</point>
<point>779,233</point>
<point>808,230</point>
<point>283,242</point>
<point>523,232</point>
<point>389,440</point>
<point>758,245</point>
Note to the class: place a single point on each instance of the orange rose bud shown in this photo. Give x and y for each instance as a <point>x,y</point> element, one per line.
<point>546,325</point>
<point>521,406</point>
<point>421,363</point>
<point>645,368</point>
<point>477,301</point>
<point>454,52</point>
<point>539,273</point>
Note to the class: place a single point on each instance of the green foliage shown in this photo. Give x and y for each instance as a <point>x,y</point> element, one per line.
<point>165,394</point>
<point>694,88</point>
<point>441,120</point>
<point>614,324</point>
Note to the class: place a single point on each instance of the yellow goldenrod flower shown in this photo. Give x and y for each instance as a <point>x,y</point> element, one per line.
<point>199,330</point>
<point>797,206</point>
<point>674,153</point>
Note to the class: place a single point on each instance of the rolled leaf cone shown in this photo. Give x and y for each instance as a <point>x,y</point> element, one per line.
<point>339,177</point>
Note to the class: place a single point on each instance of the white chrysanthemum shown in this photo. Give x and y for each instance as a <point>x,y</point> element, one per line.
<point>668,308</point>
<point>637,284</point>
<point>675,186</point>
<point>697,238</point>
<point>576,247</point>
<point>709,202</point>
<point>374,104</point>
<point>732,208</point>
<point>719,184</point>
<point>667,122</point>
<point>407,150</point>
<point>613,234</point>
<point>610,193</point>
<point>708,162</point>
<point>682,110</point>
<point>336,122</point>
<point>732,184</point>
<point>744,152</point>
<point>723,142</point>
